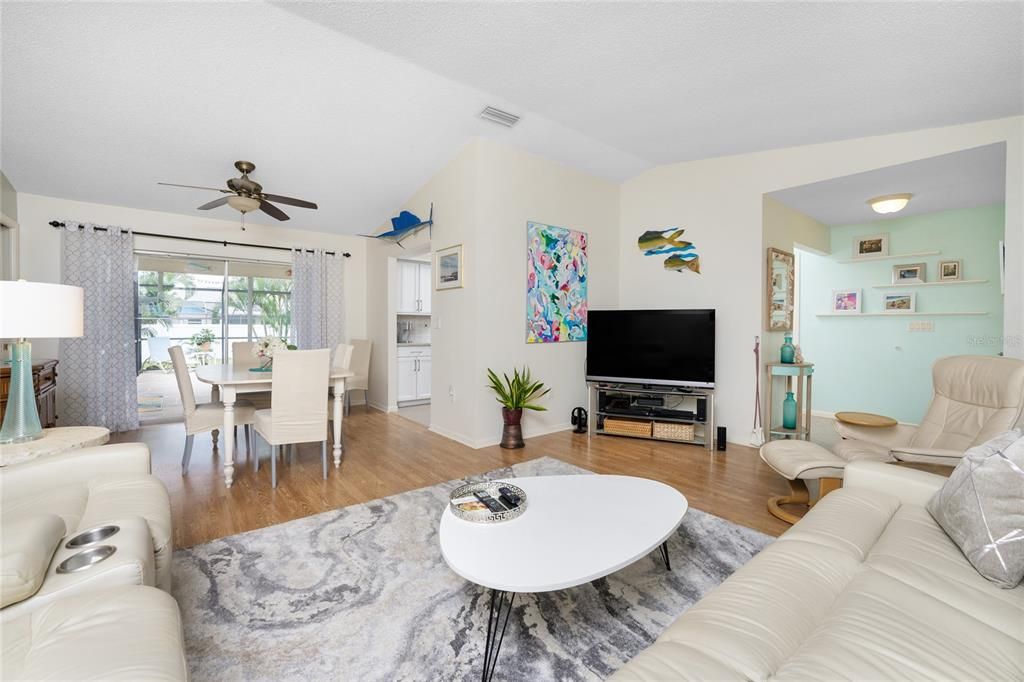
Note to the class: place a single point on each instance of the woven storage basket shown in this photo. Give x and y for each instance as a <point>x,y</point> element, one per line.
<point>627,427</point>
<point>673,431</point>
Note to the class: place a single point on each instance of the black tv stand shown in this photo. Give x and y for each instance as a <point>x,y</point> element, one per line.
<point>638,406</point>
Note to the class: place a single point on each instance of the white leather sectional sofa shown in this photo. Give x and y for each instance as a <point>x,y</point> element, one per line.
<point>113,620</point>
<point>866,587</point>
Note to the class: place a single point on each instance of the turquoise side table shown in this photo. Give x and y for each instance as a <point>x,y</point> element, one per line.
<point>802,374</point>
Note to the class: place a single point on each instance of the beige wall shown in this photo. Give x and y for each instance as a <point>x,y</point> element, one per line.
<point>453,192</point>
<point>720,202</point>
<point>8,198</point>
<point>483,200</point>
<point>784,228</point>
<point>41,246</point>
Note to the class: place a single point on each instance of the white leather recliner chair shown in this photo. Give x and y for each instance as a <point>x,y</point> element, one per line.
<point>975,399</point>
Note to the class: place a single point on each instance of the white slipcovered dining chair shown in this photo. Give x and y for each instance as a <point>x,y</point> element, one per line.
<point>298,411</point>
<point>242,358</point>
<point>207,416</point>
<point>360,365</point>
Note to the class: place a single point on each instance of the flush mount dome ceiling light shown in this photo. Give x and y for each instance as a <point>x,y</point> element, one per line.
<point>890,203</point>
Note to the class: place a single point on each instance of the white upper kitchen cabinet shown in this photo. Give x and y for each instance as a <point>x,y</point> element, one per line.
<point>425,284</point>
<point>414,283</point>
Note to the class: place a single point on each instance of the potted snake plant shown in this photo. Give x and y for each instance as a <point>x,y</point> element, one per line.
<point>515,394</point>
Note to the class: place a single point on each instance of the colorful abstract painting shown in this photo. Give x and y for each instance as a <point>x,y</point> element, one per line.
<point>682,255</point>
<point>556,286</point>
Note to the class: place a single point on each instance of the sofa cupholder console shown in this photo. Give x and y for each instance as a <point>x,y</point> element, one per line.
<point>92,536</point>
<point>123,557</point>
<point>86,559</point>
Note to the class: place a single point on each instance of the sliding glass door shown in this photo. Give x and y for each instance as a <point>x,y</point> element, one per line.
<point>203,305</point>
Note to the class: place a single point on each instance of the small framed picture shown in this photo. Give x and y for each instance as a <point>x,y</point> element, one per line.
<point>449,272</point>
<point>949,270</point>
<point>846,301</point>
<point>910,273</point>
<point>871,246</point>
<point>902,302</point>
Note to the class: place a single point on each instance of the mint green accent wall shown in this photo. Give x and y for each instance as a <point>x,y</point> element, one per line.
<point>876,364</point>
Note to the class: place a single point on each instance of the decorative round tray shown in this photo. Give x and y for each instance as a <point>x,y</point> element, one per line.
<point>478,513</point>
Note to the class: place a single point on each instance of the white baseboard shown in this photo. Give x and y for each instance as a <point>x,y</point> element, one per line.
<point>381,408</point>
<point>477,443</point>
<point>453,435</point>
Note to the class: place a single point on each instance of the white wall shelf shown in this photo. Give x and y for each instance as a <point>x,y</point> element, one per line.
<point>903,314</point>
<point>930,284</point>
<point>898,256</point>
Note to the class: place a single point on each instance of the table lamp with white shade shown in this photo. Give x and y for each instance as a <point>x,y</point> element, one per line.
<point>32,310</point>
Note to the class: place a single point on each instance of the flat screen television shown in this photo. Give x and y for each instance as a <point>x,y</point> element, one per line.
<point>665,347</point>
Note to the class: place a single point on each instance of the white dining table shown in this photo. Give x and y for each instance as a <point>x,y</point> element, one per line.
<point>233,382</point>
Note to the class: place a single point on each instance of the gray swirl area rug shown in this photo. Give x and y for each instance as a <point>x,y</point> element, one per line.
<point>362,593</point>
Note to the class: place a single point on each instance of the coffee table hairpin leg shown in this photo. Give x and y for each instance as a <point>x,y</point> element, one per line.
<point>664,555</point>
<point>495,631</point>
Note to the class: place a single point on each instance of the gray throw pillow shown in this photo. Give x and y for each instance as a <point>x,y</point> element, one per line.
<point>981,508</point>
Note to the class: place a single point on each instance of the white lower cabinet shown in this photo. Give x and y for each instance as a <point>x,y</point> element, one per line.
<point>413,374</point>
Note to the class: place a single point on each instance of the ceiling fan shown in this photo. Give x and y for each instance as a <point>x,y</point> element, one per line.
<point>245,195</point>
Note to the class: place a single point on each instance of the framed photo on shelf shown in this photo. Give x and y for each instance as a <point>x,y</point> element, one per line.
<point>871,246</point>
<point>950,270</point>
<point>909,273</point>
<point>449,270</point>
<point>846,301</point>
<point>901,302</point>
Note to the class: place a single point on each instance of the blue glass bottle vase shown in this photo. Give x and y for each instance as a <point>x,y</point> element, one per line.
<point>788,351</point>
<point>789,411</point>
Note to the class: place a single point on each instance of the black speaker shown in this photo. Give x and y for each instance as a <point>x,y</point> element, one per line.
<point>721,438</point>
<point>702,410</point>
<point>579,420</point>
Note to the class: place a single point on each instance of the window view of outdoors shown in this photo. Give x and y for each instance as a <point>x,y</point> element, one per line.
<point>183,303</point>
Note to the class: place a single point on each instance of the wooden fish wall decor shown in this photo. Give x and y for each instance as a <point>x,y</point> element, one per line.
<point>682,255</point>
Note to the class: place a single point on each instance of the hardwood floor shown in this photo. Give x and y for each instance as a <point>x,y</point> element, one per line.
<point>387,454</point>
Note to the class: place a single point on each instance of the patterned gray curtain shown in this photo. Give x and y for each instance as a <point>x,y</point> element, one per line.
<point>317,310</point>
<point>97,371</point>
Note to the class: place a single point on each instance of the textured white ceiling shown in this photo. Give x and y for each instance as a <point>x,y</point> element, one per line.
<point>355,105</point>
<point>103,100</point>
<point>974,177</point>
<point>673,81</point>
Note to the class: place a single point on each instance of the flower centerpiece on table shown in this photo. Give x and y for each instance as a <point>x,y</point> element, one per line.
<point>265,348</point>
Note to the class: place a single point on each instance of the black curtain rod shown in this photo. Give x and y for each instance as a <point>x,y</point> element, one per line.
<point>346,254</point>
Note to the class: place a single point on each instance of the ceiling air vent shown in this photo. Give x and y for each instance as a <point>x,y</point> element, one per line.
<point>498,116</point>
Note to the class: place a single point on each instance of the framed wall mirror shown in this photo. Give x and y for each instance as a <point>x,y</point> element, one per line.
<point>779,292</point>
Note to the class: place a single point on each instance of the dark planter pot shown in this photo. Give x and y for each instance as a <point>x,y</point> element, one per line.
<point>512,432</point>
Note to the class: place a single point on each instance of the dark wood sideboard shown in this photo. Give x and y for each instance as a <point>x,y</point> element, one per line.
<point>44,377</point>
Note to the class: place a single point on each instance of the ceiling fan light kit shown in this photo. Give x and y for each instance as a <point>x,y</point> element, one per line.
<point>246,195</point>
<point>243,204</point>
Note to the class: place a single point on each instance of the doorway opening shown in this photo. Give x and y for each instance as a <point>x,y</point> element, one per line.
<point>412,281</point>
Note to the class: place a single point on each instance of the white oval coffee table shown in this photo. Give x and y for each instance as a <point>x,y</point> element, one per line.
<point>575,529</point>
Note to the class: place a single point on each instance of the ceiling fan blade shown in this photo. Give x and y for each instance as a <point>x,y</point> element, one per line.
<point>213,204</point>
<point>290,201</point>
<point>272,210</point>
<point>212,189</point>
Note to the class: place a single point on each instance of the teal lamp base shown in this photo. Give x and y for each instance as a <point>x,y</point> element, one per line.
<point>21,418</point>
